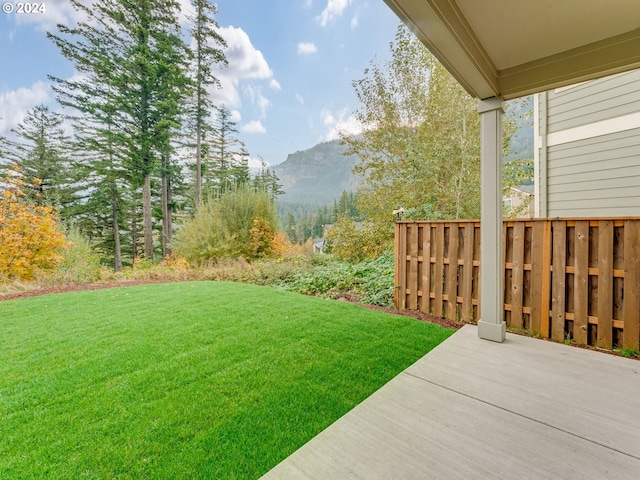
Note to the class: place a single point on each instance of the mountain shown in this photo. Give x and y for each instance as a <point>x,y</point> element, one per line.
<point>317,176</point>
<point>520,112</point>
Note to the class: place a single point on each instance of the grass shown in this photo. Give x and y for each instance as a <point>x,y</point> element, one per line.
<point>185,380</point>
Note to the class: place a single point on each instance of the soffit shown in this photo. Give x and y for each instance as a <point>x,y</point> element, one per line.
<point>512,48</point>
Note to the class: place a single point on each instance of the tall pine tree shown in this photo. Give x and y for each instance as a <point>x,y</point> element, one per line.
<point>42,152</point>
<point>207,45</point>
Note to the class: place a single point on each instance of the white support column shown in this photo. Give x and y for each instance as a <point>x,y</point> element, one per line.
<point>491,325</point>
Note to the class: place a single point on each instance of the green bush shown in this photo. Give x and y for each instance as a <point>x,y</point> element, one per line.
<point>369,281</point>
<point>378,283</point>
<point>357,241</point>
<point>79,264</point>
<point>240,223</point>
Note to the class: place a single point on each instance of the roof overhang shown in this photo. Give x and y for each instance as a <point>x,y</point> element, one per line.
<point>511,48</point>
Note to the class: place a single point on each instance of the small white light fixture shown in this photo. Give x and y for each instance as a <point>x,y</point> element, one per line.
<point>398,212</point>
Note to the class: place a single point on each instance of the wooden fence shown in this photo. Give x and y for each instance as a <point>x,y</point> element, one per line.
<point>575,279</point>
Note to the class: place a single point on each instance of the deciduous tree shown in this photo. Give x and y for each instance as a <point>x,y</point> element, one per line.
<point>30,239</point>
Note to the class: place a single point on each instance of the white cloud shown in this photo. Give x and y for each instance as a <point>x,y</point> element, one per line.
<point>333,10</point>
<point>300,99</point>
<point>255,164</point>
<point>235,116</point>
<point>327,117</point>
<point>15,104</point>
<point>306,48</point>
<point>56,11</point>
<point>262,103</point>
<point>61,11</point>
<point>355,21</point>
<point>255,126</point>
<point>308,3</point>
<point>245,63</point>
<point>341,123</point>
<point>275,85</point>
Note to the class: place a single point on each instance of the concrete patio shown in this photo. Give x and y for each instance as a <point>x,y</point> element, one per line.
<point>526,408</point>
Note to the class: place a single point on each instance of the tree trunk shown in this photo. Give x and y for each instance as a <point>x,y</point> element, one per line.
<point>166,214</point>
<point>117,250</point>
<point>147,226</point>
<point>198,165</point>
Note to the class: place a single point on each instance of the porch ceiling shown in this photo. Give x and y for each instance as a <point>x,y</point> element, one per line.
<point>511,48</point>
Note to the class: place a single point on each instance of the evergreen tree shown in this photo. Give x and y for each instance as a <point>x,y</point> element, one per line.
<point>228,162</point>
<point>207,51</point>
<point>134,60</point>
<point>100,120</point>
<point>266,180</point>
<point>42,153</point>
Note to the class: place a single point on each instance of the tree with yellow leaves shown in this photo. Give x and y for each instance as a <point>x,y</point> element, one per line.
<point>30,239</point>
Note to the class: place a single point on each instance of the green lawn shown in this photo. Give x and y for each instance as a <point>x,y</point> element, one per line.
<point>185,380</point>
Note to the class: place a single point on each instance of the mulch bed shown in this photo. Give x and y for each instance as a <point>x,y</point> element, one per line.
<point>73,288</point>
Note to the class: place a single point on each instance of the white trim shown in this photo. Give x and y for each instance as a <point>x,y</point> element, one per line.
<point>537,145</point>
<point>568,87</point>
<point>596,129</point>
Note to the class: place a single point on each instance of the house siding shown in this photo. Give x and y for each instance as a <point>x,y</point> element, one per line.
<point>581,172</point>
<point>593,101</point>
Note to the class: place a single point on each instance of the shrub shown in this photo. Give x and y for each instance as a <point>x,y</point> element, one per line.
<point>30,239</point>
<point>79,263</point>
<point>369,281</point>
<point>240,223</point>
<point>356,241</point>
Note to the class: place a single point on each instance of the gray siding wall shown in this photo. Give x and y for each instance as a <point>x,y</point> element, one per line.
<point>593,101</point>
<point>598,176</point>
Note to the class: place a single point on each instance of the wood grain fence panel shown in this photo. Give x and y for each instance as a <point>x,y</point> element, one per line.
<point>425,284</point>
<point>581,283</point>
<point>506,310</point>
<point>545,285</point>
<point>605,284</point>
<point>466,313</point>
<point>591,289</point>
<point>438,282</point>
<point>537,246</point>
<point>476,271</point>
<point>412,279</point>
<point>558,288</point>
<point>401,265</point>
<point>631,307</point>
<point>507,258</point>
<point>517,275</point>
<point>452,277</point>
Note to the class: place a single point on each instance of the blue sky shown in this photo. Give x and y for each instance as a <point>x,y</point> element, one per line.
<point>291,64</point>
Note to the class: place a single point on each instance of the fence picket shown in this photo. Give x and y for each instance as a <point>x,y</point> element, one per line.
<point>439,271</point>
<point>517,274</point>
<point>558,284</point>
<point>581,283</point>
<point>413,267</point>
<point>466,313</point>
<point>452,277</point>
<point>425,285</point>
<point>631,295</point>
<point>605,284</point>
